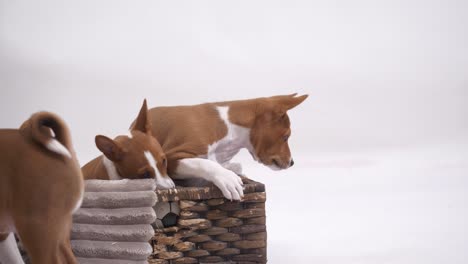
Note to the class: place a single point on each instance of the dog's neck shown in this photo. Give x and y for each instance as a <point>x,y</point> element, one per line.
<point>100,168</point>
<point>111,170</point>
<point>242,113</point>
<point>238,116</point>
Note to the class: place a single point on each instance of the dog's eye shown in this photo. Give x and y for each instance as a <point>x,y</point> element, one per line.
<point>285,138</point>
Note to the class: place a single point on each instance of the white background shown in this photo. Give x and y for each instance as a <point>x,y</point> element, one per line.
<point>380,145</point>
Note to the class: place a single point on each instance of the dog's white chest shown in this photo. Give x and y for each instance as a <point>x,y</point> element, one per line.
<point>237,137</point>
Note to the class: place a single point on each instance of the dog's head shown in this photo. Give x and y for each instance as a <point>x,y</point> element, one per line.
<point>137,155</point>
<point>271,130</point>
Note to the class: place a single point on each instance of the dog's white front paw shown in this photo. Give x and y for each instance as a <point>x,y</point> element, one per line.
<point>234,167</point>
<point>164,182</point>
<point>230,185</point>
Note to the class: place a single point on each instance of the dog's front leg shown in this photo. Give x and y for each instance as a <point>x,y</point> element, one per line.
<point>227,181</point>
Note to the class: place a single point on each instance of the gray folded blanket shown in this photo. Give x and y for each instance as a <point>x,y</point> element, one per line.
<point>113,224</point>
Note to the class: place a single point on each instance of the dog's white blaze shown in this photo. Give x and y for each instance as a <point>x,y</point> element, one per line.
<point>162,182</point>
<point>57,147</point>
<point>9,252</point>
<point>110,169</point>
<point>237,137</point>
<point>152,163</point>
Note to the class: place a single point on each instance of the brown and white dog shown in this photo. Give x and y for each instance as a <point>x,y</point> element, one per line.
<point>200,140</point>
<point>137,155</point>
<point>41,185</point>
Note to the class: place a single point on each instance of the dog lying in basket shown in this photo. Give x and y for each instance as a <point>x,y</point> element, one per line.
<point>200,140</point>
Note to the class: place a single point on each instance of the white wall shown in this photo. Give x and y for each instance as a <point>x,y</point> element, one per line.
<point>379,73</point>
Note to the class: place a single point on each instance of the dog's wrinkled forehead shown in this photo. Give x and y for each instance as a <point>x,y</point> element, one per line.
<point>140,152</point>
<point>137,141</point>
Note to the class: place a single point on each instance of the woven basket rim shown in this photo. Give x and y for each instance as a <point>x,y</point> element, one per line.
<point>203,193</point>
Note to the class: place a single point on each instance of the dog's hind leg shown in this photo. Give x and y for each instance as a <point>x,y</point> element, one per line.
<point>41,240</point>
<point>65,248</point>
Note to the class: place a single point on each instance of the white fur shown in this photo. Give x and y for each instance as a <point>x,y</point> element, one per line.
<point>237,138</point>
<point>162,182</point>
<point>52,133</point>
<point>274,167</point>
<point>110,169</point>
<point>57,147</point>
<point>227,181</point>
<point>216,167</point>
<point>80,201</point>
<point>9,252</point>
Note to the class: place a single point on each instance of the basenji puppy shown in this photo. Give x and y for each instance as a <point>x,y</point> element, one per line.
<point>200,140</point>
<point>41,185</point>
<point>137,155</point>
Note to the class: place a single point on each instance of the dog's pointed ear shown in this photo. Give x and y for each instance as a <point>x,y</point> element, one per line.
<point>291,101</point>
<point>142,122</point>
<point>108,147</point>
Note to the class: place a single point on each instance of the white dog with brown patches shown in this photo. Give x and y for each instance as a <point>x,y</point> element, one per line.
<point>200,140</point>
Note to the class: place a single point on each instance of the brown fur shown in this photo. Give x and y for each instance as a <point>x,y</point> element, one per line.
<point>187,131</point>
<point>39,188</point>
<point>127,153</point>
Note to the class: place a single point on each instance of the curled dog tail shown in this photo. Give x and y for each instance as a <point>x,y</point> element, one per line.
<point>49,131</point>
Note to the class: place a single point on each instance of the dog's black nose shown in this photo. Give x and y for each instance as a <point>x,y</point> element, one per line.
<point>291,163</point>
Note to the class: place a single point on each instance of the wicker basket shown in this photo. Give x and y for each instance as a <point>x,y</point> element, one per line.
<point>211,229</point>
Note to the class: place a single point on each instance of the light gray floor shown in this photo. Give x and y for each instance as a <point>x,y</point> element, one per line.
<point>388,206</point>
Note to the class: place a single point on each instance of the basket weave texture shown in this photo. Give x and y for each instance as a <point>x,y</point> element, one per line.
<point>211,229</point>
